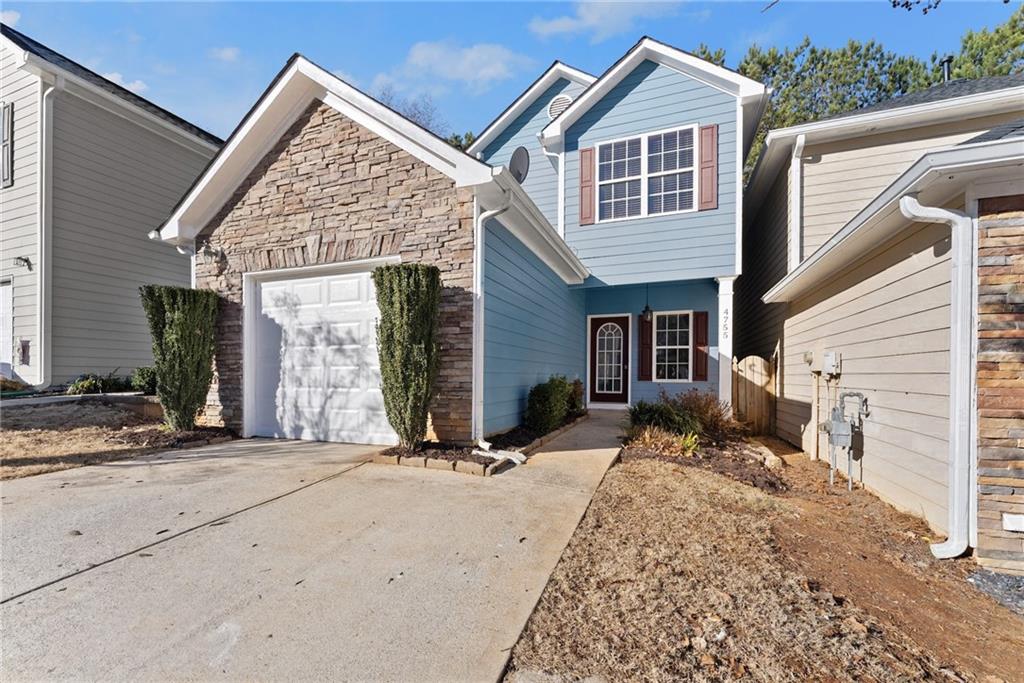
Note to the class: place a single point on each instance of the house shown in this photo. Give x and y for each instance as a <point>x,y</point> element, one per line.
<point>884,257</point>
<point>89,168</point>
<point>593,231</point>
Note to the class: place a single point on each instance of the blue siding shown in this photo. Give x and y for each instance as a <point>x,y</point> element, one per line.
<point>694,245</point>
<point>693,295</point>
<point>542,181</point>
<point>534,327</point>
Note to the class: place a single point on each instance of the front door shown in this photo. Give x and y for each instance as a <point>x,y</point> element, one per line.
<point>609,359</point>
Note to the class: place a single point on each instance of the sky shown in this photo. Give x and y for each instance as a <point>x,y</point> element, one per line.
<point>209,62</point>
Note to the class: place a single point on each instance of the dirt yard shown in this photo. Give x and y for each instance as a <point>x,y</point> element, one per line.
<point>681,573</point>
<point>38,439</point>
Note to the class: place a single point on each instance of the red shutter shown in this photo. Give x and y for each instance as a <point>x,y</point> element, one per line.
<point>646,350</point>
<point>587,186</point>
<point>700,346</point>
<point>708,167</point>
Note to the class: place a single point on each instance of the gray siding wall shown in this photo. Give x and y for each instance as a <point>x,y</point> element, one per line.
<point>19,210</point>
<point>113,182</point>
<point>765,249</point>
<point>542,181</point>
<point>693,245</point>
<point>841,178</point>
<point>888,316</point>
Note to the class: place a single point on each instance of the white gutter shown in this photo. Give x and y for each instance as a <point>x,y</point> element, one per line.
<point>44,180</point>
<point>960,367</point>
<point>558,157</point>
<point>478,313</point>
<point>796,169</point>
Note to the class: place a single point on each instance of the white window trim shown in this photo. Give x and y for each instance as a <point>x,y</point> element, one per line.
<point>654,349</point>
<point>645,175</point>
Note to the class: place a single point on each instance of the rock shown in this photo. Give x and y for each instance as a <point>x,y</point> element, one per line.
<point>773,462</point>
<point>382,459</point>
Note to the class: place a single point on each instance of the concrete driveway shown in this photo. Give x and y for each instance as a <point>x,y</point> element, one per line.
<point>284,560</point>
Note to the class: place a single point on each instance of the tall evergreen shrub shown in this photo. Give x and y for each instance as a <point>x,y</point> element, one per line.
<point>409,299</point>
<point>182,323</point>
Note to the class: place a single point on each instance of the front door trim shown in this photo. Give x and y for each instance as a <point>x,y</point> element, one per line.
<point>629,370</point>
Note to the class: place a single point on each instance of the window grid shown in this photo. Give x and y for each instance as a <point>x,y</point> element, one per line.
<point>672,344</point>
<point>609,359</point>
<point>660,175</point>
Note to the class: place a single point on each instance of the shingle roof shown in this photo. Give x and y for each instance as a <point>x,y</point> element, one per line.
<point>961,87</point>
<point>73,67</point>
<point>1010,129</point>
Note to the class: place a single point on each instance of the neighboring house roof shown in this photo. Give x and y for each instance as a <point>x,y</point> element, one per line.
<point>753,96</point>
<point>953,101</point>
<point>961,87</point>
<point>937,177</point>
<point>1010,129</point>
<point>75,70</point>
<point>300,83</point>
<point>551,75</point>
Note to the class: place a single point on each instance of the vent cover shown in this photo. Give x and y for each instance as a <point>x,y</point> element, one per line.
<point>558,105</point>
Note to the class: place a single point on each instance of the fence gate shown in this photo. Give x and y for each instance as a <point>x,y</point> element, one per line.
<point>753,393</point>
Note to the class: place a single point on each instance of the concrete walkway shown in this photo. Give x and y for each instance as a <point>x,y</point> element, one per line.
<point>278,560</point>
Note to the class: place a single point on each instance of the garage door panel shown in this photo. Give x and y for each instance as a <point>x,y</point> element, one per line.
<point>317,374</point>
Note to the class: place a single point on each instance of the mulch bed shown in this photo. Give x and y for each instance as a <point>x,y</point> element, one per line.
<point>521,437</point>
<point>734,459</point>
<point>158,436</point>
<point>440,451</point>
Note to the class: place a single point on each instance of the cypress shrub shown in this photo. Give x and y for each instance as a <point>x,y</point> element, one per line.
<point>547,405</point>
<point>182,323</point>
<point>409,299</point>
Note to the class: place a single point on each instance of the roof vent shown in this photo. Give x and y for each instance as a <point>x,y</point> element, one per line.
<point>558,105</point>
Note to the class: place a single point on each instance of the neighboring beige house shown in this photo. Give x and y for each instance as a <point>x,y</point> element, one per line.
<point>89,168</point>
<point>862,240</point>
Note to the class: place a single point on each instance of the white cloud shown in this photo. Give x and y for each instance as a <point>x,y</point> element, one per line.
<point>10,17</point>
<point>225,54</point>
<point>432,66</point>
<point>602,20</point>
<point>135,86</point>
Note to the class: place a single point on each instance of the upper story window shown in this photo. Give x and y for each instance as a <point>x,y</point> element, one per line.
<point>647,175</point>
<point>619,179</point>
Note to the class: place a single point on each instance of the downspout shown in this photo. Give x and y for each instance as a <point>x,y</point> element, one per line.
<point>478,314</point>
<point>44,179</point>
<point>961,330</point>
<point>557,156</point>
<point>796,201</point>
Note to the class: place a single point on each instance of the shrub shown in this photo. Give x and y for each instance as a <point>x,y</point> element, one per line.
<point>144,380</point>
<point>576,398</point>
<point>663,415</point>
<point>12,385</point>
<point>663,441</point>
<point>182,323</point>
<point>409,299</point>
<point>547,405</point>
<point>85,384</point>
<point>713,416</point>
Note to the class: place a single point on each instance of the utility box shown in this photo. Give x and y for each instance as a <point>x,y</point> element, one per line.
<point>831,363</point>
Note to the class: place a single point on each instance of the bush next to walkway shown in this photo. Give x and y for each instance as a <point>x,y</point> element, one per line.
<point>409,299</point>
<point>182,323</point>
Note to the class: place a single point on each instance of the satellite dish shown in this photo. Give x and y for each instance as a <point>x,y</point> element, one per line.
<point>519,164</point>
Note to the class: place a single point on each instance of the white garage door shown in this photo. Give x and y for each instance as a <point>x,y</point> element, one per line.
<point>316,371</point>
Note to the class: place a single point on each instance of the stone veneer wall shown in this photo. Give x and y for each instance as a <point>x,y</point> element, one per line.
<point>332,191</point>
<point>1000,381</point>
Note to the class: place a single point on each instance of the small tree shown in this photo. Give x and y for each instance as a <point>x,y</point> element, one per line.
<point>182,323</point>
<point>409,299</point>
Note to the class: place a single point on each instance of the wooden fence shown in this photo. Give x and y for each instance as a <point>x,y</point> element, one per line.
<point>753,393</point>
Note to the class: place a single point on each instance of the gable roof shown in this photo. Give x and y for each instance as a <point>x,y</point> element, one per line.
<point>751,94</point>
<point>56,61</point>
<point>1003,131</point>
<point>964,100</point>
<point>298,84</point>
<point>551,75</point>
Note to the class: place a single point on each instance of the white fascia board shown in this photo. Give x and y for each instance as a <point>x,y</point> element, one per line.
<point>949,169</point>
<point>115,104</point>
<point>529,225</point>
<point>778,142</point>
<point>749,91</point>
<point>546,80</point>
<point>302,83</point>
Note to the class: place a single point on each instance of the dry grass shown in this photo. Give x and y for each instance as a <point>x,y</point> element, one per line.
<point>675,573</point>
<point>49,438</point>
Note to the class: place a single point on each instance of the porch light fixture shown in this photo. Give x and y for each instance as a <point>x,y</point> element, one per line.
<point>647,314</point>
